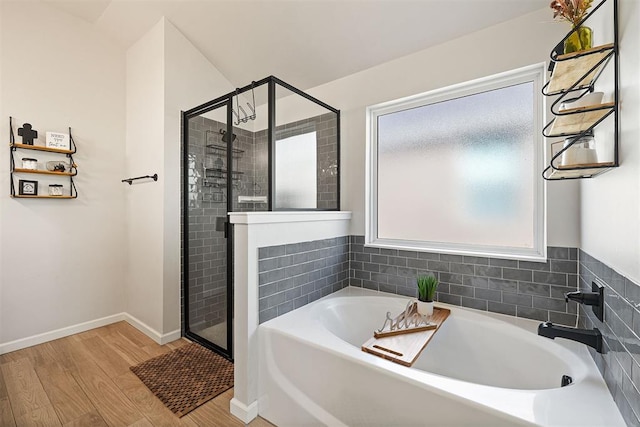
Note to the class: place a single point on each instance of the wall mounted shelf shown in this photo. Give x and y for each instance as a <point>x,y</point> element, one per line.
<point>223,149</point>
<point>574,75</point>
<point>588,170</point>
<point>215,177</point>
<point>17,196</point>
<point>579,69</point>
<point>221,173</point>
<point>574,121</point>
<point>41,148</point>
<point>45,172</point>
<point>14,146</point>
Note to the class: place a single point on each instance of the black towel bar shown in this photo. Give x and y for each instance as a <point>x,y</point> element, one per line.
<point>130,180</point>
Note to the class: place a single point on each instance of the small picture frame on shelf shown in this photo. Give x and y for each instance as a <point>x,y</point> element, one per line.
<point>27,188</point>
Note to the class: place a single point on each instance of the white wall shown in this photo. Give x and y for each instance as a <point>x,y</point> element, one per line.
<point>507,46</point>
<point>190,80</point>
<point>115,249</point>
<point>62,261</point>
<point>610,204</point>
<point>145,156</point>
<point>166,75</point>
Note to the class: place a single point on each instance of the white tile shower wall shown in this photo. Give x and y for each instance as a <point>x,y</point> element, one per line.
<point>533,290</point>
<point>620,362</point>
<point>294,275</point>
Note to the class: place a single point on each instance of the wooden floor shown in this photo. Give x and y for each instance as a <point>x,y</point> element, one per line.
<point>84,380</point>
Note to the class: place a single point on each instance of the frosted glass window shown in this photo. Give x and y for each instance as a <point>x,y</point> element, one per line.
<point>458,172</point>
<point>296,172</point>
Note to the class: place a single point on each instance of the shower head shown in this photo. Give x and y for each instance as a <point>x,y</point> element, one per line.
<point>225,138</point>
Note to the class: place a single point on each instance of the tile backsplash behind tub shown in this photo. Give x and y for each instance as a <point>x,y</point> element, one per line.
<point>294,275</point>
<point>533,290</point>
<point>620,362</point>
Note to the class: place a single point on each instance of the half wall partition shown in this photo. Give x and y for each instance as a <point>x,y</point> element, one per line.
<point>264,147</point>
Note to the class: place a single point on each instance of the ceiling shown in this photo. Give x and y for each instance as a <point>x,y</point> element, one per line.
<point>304,42</point>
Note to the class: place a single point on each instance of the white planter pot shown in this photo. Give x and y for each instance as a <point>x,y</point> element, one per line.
<point>425,308</point>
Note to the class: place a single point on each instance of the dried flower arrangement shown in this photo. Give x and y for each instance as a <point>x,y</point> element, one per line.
<point>572,11</point>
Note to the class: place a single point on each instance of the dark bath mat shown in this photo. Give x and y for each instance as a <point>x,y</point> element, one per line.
<point>187,377</point>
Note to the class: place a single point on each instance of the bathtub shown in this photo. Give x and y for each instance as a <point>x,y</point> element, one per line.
<point>479,369</point>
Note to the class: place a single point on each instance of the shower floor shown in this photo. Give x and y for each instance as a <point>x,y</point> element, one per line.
<point>216,334</point>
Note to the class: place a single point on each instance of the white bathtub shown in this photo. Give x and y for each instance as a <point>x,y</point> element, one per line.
<point>479,369</point>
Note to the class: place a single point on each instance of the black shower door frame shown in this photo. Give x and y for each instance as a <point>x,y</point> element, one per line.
<point>220,102</point>
<point>225,352</point>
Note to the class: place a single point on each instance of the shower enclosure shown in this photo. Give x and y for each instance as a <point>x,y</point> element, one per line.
<point>264,147</point>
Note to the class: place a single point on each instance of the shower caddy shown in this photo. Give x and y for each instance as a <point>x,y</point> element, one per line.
<point>577,73</point>
<point>14,146</point>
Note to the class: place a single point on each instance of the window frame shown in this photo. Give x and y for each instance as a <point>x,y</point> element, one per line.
<point>533,73</point>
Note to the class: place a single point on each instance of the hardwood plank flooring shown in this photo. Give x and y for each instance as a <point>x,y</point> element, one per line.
<point>105,356</point>
<point>45,416</point>
<point>6,414</point>
<point>3,388</point>
<point>106,397</point>
<point>84,381</point>
<point>67,397</point>
<point>150,406</point>
<point>26,393</point>
<point>126,348</point>
<point>90,419</point>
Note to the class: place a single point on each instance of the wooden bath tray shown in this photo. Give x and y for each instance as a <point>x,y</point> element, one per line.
<point>405,348</point>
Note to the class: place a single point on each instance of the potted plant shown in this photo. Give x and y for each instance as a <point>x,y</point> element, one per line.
<point>427,286</point>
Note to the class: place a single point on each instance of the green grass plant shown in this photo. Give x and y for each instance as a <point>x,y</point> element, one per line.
<point>427,286</point>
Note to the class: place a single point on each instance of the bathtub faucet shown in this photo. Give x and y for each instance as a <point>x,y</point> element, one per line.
<point>586,298</point>
<point>590,337</point>
<point>595,299</point>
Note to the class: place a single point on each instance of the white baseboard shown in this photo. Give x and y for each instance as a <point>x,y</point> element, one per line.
<point>152,333</point>
<point>21,343</point>
<point>59,333</point>
<point>243,412</point>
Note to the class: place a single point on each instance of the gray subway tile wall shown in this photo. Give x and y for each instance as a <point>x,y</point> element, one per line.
<point>294,275</point>
<point>327,152</point>
<point>534,290</point>
<point>208,196</point>
<point>291,276</point>
<point>474,282</point>
<point>326,128</point>
<point>620,363</point>
<point>207,247</point>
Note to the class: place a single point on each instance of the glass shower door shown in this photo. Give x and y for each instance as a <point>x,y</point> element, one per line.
<point>207,293</point>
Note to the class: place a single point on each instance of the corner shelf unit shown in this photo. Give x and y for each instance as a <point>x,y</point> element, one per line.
<point>574,75</point>
<point>221,149</point>
<point>214,177</point>
<point>219,173</point>
<point>14,146</point>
